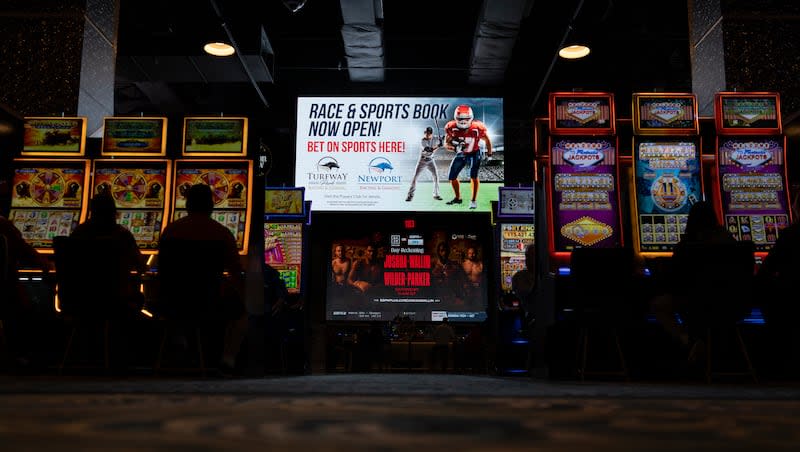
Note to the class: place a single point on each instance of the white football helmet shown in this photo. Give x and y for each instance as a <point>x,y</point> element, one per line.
<point>463,116</point>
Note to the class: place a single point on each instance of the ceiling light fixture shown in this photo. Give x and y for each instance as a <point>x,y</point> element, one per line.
<point>574,51</point>
<point>220,49</point>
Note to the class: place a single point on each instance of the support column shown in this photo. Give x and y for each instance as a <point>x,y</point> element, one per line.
<point>98,63</point>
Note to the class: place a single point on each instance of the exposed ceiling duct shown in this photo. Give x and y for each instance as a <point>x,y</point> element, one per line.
<point>495,36</point>
<point>363,39</point>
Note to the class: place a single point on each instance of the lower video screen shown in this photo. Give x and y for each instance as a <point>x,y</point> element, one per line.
<point>424,275</point>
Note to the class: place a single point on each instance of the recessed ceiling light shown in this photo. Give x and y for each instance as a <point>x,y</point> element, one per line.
<point>574,52</point>
<point>219,49</point>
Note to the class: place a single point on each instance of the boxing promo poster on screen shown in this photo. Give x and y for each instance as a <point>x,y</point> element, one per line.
<point>391,153</point>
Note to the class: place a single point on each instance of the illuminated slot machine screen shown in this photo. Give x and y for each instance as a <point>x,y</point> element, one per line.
<point>668,180</point>
<point>583,192</point>
<point>426,275</point>
<point>514,238</point>
<point>283,250</point>
<point>140,189</point>
<point>48,199</point>
<point>230,182</point>
<point>754,194</point>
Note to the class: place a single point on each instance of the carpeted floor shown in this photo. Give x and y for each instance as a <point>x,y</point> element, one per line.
<point>388,412</point>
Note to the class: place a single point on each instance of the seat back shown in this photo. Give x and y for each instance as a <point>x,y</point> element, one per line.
<point>91,276</point>
<point>602,280</point>
<point>190,275</point>
<point>719,280</point>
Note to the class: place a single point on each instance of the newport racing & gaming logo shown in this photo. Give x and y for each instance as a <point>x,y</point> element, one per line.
<point>328,173</point>
<point>380,172</point>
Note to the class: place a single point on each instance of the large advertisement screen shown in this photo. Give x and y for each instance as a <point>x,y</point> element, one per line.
<point>375,154</point>
<point>753,186</point>
<point>668,182</point>
<point>140,189</point>
<point>283,250</point>
<point>584,197</point>
<point>426,275</point>
<point>48,199</point>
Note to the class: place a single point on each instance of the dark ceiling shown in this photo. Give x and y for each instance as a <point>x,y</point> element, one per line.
<point>392,47</point>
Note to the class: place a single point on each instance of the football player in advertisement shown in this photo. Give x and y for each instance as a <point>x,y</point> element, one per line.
<point>463,136</point>
<point>428,146</point>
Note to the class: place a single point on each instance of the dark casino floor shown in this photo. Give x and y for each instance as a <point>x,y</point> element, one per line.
<point>393,411</point>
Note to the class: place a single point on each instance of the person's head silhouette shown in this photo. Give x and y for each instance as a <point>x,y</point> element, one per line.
<point>103,209</point>
<point>199,199</point>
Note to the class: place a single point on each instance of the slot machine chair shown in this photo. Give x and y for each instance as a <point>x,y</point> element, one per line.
<point>92,282</point>
<point>190,284</point>
<point>603,287</point>
<point>719,283</point>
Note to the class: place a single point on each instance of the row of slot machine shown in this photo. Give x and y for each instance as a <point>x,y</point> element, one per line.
<point>666,172</point>
<point>53,180</point>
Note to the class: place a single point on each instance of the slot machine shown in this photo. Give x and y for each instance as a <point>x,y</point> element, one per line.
<point>515,231</point>
<point>667,172</point>
<point>49,189</point>
<point>213,153</point>
<point>582,181</point>
<point>132,168</point>
<point>286,215</point>
<point>752,190</point>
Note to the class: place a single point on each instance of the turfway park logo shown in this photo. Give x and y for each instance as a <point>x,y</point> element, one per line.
<point>380,171</point>
<point>328,173</point>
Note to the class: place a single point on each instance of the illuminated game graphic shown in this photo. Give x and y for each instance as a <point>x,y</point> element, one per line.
<point>664,114</point>
<point>668,183</point>
<point>426,275</point>
<point>754,194</point>
<point>210,136</point>
<point>284,202</point>
<point>283,250</point>
<point>229,183</point>
<point>581,113</point>
<point>584,193</point>
<point>514,238</point>
<point>748,113</point>
<point>134,136</point>
<point>54,136</point>
<point>47,199</point>
<point>139,189</point>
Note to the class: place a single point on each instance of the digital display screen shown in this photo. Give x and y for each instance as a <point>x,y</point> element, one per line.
<point>47,199</point>
<point>230,183</point>
<point>134,136</point>
<point>54,136</point>
<point>215,136</point>
<point>139,189</point>
<point>754,191</point>
<point>283,250</point>
<point>584,197</point>
<point>514,238</point>
<point>573,113</point>
<point>749,112</point>
<point>284,202</point>
<point>426,275</point>
<point>668,183</point>
<point>665,114</point>
<point>372,153</point>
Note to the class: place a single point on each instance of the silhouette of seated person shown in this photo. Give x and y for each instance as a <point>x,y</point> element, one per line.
<point>102,230</point>
<point>204,235</point>
<point>779,278</point>
<point>17,311</point>
<point>702,229</point>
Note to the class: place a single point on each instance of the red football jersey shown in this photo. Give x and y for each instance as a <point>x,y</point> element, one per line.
<point>471,135</point>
